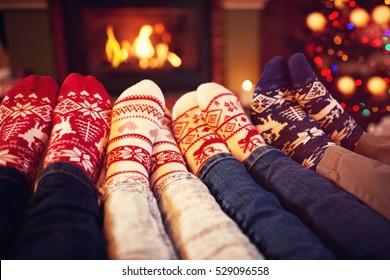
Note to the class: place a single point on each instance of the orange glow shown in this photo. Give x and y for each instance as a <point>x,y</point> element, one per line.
<point>148,55</point>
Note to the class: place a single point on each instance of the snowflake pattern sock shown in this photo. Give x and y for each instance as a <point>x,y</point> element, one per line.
<point>223,112</point>
<point>25,123</point>
<point>320,105</point>
<point>81,125</point>
<point>197,141</point>
<point>136,117</point>
<point>283,123</point>
<point>167,159</point>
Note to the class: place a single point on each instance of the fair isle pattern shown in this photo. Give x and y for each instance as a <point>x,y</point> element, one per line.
<point>130,153</point>
<point>317,101</point>
<point>198,142</point>
<point>166,160</point>
<point>26,121</point>
<point>136,118</point>
<point>149,107</point>
<point>330,116</point>
<point>224,114</point>
<point>282,122</point>
<point>286,126</point>
<point>81,126</point>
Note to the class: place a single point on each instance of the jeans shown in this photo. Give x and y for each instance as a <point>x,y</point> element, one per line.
<point>196,223</point>
<point>15,191</point>
<point>350,228</point>
<point>63,220</point>
<point>132,222</point>
<point>277,233</point>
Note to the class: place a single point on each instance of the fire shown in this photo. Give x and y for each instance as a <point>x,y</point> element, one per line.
<point>142,48</point>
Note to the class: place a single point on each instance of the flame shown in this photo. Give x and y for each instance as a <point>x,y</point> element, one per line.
<point>142,48</point>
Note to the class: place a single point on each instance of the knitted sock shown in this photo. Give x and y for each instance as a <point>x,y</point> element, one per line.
<point>320,105</point>
<point>25,123</point>
<point>223,112</point>
<point>132,222</point>
<point>197,141</point>
<point>166,158</point>
<point>136,117</point>
<point>283,124</point>
<point>81,125</point>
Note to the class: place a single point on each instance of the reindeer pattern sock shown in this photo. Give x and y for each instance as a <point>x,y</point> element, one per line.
<point>223,112</point>
<point>25,123</point>
<point>316,100</point>
<point>81,125</point>
<point>197,141</point>
<point>283,123</point>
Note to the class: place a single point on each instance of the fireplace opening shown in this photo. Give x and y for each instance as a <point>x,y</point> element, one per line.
<point>121,42</point>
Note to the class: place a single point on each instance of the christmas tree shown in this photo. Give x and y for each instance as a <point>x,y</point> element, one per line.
<point>349,45</point>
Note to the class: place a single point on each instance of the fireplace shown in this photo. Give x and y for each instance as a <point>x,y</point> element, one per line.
<point>121,42</point>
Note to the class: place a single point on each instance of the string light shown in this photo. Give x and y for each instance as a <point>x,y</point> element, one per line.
<point>381,14</point>
<point>335,52</point>
<point>366,112</point>
<point>316,21</point>
<point>377,86</point>
<point>346,85</point>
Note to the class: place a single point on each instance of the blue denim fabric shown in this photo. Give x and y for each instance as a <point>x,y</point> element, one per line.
<point>15,190</point>
<point>346,225</point>
<point>277,233</point>
<point>63,220</point>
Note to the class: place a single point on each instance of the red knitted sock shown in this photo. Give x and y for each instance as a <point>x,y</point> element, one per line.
<point>25,123</point>
<point>81,125</point>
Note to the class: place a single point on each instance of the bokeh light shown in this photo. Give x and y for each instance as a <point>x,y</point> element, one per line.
<point>381,14</point>
<point>377,86</point>
<point>346,85</point>
<point>316,21</point>
<point>247,85</point>
<point>359,17</point>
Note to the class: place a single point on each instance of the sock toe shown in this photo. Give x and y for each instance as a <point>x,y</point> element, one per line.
<point>145,87</point>
<point>276,67</point>
<point>50,84</point>
<point>300,69</point>
<point>185,102</point>
<point>206,92</point>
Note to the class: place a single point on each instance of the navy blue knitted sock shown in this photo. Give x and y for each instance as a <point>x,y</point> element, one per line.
<point>282,122</point>
<point>316,100</point>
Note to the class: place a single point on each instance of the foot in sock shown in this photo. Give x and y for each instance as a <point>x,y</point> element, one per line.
<point>81,125</point>
<point>223,112</point>
<point>316,100</point>
<point>167,159</point>
<point>137,116</point>
<point>197,141</point>
<point>283,123</point>
<point>25,123</point>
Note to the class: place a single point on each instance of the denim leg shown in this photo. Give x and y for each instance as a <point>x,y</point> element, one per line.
<point>15,190</point>
<point>63,220</point>
<point>347,226</point>
<point>277,233</point>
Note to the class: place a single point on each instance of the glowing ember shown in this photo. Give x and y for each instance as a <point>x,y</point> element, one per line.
<point>142,48</point>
